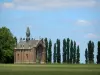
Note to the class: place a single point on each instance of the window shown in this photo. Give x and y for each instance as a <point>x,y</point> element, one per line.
<point>18,56</point>
<point>27,56</point>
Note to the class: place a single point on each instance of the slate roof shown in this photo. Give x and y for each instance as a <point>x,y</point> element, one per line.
<point>27,44</point>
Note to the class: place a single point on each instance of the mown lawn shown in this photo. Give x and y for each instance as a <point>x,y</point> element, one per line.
<point>53,69</point>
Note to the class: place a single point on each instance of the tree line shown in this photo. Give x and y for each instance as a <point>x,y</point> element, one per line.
<point>71,51</point>
<point>89,53</point>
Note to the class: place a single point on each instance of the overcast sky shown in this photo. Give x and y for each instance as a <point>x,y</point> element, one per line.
<point>78,20</point>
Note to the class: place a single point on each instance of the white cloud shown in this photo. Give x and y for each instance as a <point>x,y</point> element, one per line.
<point>8,5</point>
<point>49,4</point>
<point>83,22</point>
<point>91,36</point>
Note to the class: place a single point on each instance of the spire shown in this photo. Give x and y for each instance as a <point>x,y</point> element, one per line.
<point>27,34</point>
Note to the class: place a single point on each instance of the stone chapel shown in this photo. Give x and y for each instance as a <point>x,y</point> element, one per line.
<point>29,50</point>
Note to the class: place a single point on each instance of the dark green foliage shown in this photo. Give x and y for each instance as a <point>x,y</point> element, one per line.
<point>91,51</point>
<point>68,49</point>
<point>74,53</point>
<point>46,48</point>
<point>7,44</point>
<point>64,50</point>
<point>15,41</point>
<point>55,53</point>
<point>49,51</point>
<point>28,32</point>
<point>86,56</point>
<point>78,55</point>
<point>71,52</point>
<point>98,53</point>
<point>58,51</point>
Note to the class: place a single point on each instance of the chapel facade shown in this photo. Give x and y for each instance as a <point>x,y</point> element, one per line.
<point>30,50</point>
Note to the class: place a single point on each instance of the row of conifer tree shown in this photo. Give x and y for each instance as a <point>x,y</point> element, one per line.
<point>71,52</point>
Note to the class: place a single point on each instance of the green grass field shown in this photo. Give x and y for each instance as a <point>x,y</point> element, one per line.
<point>53,69</point>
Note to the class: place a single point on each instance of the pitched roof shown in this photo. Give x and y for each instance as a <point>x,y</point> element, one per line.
<point>27,44</point>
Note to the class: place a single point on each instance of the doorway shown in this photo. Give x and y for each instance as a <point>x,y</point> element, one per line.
<point>39,51</point>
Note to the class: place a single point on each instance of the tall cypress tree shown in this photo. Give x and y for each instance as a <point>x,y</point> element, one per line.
<point>15,41</point>
<point>74,53</point>
<point>68,49</point>
<point>46,48</point>
<point>64,50</point>
<point>98,53</point>
<point>78,54</point>
<point>55,50</point>
<point>58,51</point>
<point>49,51</point>
<point>86,56</point>
<point>91,51</point>
<point>71,52</point>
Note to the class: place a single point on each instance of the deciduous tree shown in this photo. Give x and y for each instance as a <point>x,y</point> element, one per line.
<point>7,44</point>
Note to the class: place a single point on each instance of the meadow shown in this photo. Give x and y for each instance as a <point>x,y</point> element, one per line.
<point>49,69</point>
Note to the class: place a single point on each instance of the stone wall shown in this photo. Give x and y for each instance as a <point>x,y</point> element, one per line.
<point>23,56</point>
<point>27,55</point>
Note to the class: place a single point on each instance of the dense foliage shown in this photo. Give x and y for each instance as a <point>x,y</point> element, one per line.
<point>7,44</point>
